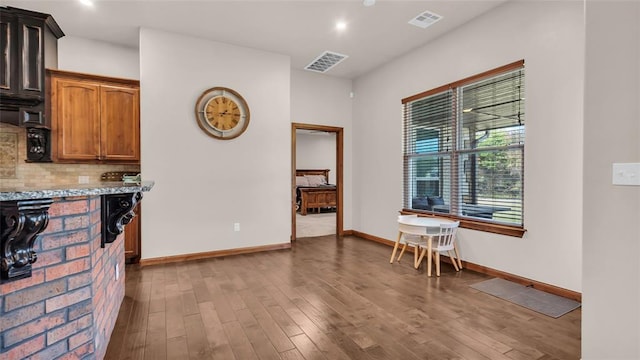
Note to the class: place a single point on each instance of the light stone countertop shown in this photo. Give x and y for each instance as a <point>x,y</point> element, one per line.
<point>99,188</point>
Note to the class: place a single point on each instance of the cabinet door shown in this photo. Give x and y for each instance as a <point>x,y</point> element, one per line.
<point>8,52</point>
<point>132,237</point>
<point>120,123</point>
<point>76,112</point>
<point>31,64</point>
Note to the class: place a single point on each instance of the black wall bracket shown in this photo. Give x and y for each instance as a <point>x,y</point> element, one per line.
<point>117,211</point>
<point>38,145</point>
<point>20,223</point>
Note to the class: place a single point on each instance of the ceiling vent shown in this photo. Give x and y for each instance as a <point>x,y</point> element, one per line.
<point>325,62</point>
<point>425,19</point>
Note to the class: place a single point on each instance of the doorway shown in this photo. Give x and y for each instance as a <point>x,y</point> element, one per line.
<point>339,148</point>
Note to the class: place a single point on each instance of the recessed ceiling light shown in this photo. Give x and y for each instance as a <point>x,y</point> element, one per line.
<point>86,2</point>
<point>341,26</point>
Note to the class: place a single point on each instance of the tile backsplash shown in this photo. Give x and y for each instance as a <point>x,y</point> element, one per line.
<point>15,172</point>
<point>8,155</point>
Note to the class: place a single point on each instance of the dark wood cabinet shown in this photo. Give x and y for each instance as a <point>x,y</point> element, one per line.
<point>8,50</point>
<point>94,118</point>
<point>28,44</point>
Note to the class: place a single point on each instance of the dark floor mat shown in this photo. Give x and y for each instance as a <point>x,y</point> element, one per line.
<point>528,297</point>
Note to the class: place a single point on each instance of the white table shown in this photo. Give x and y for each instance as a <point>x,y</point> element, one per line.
<point>422,226</point>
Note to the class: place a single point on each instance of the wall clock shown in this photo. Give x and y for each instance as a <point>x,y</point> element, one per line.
<point>222,113</point>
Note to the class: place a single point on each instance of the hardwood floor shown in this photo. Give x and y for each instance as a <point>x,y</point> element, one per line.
<point>326,298</point>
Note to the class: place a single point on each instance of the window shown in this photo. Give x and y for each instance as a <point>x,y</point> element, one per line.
<point>464,148</point>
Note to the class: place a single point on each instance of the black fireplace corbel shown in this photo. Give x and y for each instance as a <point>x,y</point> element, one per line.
<point>117,211</point>
<point>20,223</point>
<point>38,145</point>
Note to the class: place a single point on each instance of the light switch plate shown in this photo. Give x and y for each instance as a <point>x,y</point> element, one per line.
<point>626,174</point>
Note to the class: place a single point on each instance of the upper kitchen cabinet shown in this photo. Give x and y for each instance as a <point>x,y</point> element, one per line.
<point>28,44</point>
<point>95,119</point>
<point>120,123</point>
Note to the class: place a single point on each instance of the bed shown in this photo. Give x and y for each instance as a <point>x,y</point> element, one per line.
<point>313,190</point>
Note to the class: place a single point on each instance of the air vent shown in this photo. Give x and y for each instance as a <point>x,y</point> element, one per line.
<point>325,62</point>
<point>425,19</point>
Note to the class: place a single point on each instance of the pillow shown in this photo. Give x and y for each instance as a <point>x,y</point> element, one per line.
<point>435,200</point>
<point>420,203</point>
<point>316,180</point>
<point>302,181</point>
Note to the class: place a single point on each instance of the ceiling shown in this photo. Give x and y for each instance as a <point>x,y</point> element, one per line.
<point>300,29</point>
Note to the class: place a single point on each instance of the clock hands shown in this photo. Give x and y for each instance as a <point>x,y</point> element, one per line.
<point>226,112</point>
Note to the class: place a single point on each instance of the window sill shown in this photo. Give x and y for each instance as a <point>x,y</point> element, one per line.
<point>466,223</point>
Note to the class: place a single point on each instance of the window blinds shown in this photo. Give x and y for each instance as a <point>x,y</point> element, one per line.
<point>463,147</point>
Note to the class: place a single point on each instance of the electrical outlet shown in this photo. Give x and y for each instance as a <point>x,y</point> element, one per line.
<point>626,174</point>
<point>117,272</point>
<point>83,179</point>
<point>236,227</point>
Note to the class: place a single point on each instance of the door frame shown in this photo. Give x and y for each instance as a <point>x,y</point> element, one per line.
<point>339,172</point>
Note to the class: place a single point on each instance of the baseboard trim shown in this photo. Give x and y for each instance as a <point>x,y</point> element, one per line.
<point>373,238</point>
<point>552,289</point>
<point>213,254</point>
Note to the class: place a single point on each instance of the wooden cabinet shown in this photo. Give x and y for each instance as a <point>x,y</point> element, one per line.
<point>76,114</point>
<point>28,43</point>
<point>132,238</point>
<point>94,118</point>
<point>120,123</point>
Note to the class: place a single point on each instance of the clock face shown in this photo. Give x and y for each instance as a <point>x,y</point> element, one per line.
<point>222,113</point>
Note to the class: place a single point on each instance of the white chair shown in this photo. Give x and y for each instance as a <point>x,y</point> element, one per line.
<point>403,231</point>
<point>442,241</point>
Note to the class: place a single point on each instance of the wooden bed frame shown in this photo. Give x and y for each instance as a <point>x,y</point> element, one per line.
<point>316,198</point>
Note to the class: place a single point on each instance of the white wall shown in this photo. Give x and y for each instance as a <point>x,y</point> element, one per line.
<point>183,213</point>
<point>317,151</point>
<point>205,185</point>
<point>325,100</point>
<point>549,36</point>
<point>611,224</point>
<point>98,57</point>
